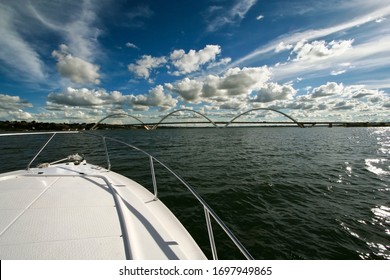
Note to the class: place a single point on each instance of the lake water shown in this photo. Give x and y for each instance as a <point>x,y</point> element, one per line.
<point>287,193</point>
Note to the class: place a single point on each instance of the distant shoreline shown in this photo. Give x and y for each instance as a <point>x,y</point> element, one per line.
<point>46,126</point>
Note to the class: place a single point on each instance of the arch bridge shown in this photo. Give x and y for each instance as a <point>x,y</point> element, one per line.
<point>180,110</point>
<point>153,126</point>
<point>264,109</point>
<point>120,114</point>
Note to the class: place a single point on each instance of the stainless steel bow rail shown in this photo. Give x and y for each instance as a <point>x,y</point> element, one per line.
<point>209,212</point>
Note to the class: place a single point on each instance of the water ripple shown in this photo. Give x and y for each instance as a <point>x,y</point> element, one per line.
<point>287,193</point>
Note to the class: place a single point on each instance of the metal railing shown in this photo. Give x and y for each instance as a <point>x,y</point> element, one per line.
<point>209,212</point>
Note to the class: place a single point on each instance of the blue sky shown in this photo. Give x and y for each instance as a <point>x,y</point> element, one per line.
<point>78,61</point>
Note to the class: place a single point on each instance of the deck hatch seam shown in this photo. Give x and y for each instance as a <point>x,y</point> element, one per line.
<point>116,197</point>
<point>27,207</point>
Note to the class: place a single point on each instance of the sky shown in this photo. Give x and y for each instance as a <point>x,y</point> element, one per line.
<point>79,61</point>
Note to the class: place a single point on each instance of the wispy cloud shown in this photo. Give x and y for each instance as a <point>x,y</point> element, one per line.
<point>312,34</point>
<point>82,33</point>
<point>73,24</point>
<point>137,16</point>
<point>22,59</point>
<point>79,31</point>
<point>259,17</point>
<point>379,20</point>
<point>336,59</point>
<point>337,72</point>
<point>219,17</point>
<point>131,46</point>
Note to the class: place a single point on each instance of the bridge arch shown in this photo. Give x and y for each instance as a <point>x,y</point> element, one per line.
<point>265,109</point>
<point>119,114</point>
<point>171,113</point>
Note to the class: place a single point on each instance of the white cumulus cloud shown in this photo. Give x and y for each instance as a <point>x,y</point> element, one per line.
<point>179,61</point>
<point>237,81</point>
<point>234,82</point>
<point>320,49</point>
<point>84,97</point>
<point>191,61</point>
<point>156,97</point>
<point>74,68</point>
<point>188,89</point>
<point>331,88</point>
<point>282,47</point>
<point>343,102</point>
<point>11,107</point>
<point>10,102</point>
<point>143,66</point>
<point>273,91</point>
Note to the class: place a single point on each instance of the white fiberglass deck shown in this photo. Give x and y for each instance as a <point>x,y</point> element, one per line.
<point>69,211</point>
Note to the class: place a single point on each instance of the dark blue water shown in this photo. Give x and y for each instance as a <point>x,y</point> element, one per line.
<point>287,193</point>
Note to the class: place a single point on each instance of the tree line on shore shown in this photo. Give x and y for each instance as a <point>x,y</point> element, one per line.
<point>52,126</point>
<point>33,125</point>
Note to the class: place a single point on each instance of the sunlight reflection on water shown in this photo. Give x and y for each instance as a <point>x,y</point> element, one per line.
<point>382,212</point>
<point>381,218</point>
<point>380,166</point>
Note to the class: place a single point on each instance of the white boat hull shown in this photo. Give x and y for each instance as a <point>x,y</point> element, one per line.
<point>68,211</point>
